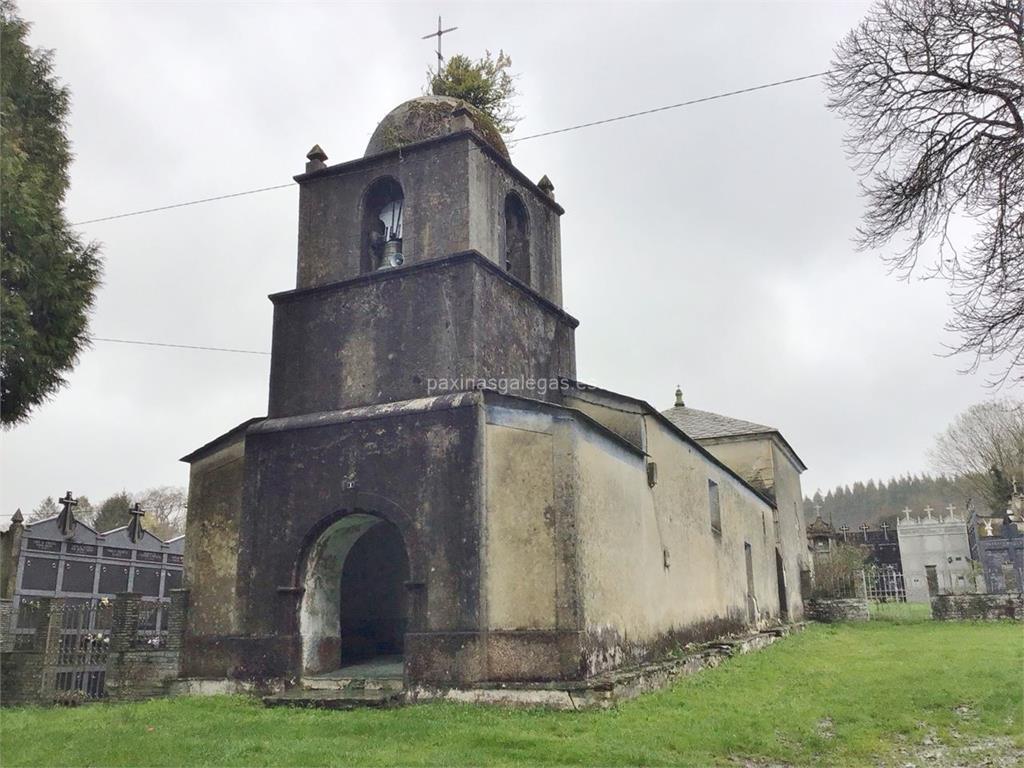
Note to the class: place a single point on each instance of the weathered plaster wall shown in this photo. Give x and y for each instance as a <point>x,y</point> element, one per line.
<point>632,604</point>
<point>766,466</point>
<point>520,542</point>
<point>623,418</point>
<point>211,539</point>
<point>529,568</point>
<point>751,459</point>
<point>382,338</point>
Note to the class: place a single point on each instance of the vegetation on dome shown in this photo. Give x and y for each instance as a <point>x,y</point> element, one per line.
<point>485,84</point>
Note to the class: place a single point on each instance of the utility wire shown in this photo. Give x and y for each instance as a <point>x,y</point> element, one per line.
<point>179,346</point>
<point>181,205</point>
<point>578,127</point>
<point>669,106</point>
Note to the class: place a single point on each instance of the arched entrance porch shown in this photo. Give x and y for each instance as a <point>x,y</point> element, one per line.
<point>354,605</point>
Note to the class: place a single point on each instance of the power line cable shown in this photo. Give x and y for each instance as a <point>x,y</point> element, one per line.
<point>181,205</point>
<point>567,129</point>
<point>668,107</point>
<point>178,346</point>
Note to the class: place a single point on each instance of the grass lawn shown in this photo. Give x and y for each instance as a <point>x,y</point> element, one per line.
<point>935,693</point>
<point>900,611</point>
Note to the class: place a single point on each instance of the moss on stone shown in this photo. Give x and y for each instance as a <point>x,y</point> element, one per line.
<point>426,118</point>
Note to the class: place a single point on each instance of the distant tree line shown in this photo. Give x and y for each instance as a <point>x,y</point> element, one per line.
<point>164,508</point>
<point>876,501</point>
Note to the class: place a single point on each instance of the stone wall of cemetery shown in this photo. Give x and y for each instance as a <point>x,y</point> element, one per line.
<point>833,609</point>
<point>977,607</point>
<point>35,667</point>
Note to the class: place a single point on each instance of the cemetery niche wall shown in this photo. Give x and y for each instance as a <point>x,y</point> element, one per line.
<point>67,558</point>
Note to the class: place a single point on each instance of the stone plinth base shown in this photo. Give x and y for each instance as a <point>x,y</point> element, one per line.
<point>605,690</point>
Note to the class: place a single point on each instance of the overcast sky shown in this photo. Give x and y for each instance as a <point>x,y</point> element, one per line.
<point>708,246</point>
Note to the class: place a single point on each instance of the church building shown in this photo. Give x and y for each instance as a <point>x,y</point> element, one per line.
<point>431,484</point>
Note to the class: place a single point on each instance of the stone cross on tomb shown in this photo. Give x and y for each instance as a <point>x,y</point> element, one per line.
<point>844,529</point>
<point>135,526</point>
<point>66,519</point>
<point>928,511</point>
<point>438,34</point>
<point>885,526</point>
<point>864,528</point>
<point>951,509</point>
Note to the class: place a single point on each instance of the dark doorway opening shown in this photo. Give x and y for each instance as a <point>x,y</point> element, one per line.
<point>748,556</point>
<point>780,573</point>
<point>931,573</point>
<point>373,601</point>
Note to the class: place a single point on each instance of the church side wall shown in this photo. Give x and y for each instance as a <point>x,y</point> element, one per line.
<point>633,605</point>
<point>211,540</point>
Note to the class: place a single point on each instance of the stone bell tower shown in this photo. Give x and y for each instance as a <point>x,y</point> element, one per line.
<point>430,258</point>
<point>350,520</point>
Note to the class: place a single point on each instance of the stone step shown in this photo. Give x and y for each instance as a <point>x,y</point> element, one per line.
<point>320,699</point>
<point>389,684</point>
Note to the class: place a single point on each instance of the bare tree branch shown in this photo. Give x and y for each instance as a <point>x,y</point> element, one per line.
<point>933,91</point>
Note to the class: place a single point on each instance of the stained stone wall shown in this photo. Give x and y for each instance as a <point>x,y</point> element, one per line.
<point>828,610</point>
<point>979,607</point>
<point>133,670</point>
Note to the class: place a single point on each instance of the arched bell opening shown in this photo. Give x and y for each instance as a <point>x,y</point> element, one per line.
<point>355,604</point>
<point>383,210</point>
<point>517,237</point>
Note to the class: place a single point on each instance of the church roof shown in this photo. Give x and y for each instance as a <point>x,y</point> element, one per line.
<point>428,117</point>
<point>705,424</point>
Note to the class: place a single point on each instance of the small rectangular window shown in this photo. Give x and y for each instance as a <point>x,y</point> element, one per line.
<point>716,508</point>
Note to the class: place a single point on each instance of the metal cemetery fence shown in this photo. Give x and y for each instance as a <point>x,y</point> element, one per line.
<point>880,593</point>
<point>81,663</point>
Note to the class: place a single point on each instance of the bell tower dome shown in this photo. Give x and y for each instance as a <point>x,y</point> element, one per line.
<point>432,256</point>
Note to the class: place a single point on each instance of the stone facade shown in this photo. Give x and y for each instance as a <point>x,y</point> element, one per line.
<point>432,483</point>
<point>987,607</point>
